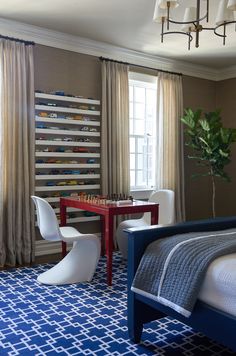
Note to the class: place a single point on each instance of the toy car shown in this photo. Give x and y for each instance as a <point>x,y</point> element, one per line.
<point>61,183</point>
<point>83,140</point>
<point>92,129</point>
<point>52,115</point>
<point>91,160</point>
<point>83,107</point>
<point>54,171</point>
<point>72,182</point>
<point>50,104</point>
<point>41,126</point>
<point>76,172</point>
<point>67,139</point>
<point>58,92</point>
<point>67,171</point>
<point>80,149</point>
<point>54,128</point>
<point>90,171</point>
<point>50,184</point>
<point>77,117</point>
<point>39,161</point>
<point>43,114</point>
<point>84,128</point>
<point>60,149</point>
<point>40,173</point>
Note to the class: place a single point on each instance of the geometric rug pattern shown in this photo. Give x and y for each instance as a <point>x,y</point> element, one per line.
<point>84,319</point>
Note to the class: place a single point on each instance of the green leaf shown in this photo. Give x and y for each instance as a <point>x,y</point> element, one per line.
<point>205,125</point>
<point>224,154</point>
<point>204,141</point>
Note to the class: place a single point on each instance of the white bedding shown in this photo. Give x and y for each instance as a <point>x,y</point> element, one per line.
<point>219,286</point>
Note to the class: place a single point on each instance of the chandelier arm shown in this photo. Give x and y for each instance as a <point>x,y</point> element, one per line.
<point>197,26</point>
<point>190,37</point>
<point>207,5</point>
<point>188,22</point>
<point>222,24</point>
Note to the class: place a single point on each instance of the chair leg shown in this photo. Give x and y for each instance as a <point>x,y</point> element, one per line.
<point>77,266</point>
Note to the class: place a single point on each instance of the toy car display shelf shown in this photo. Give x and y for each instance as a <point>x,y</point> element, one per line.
<point>67,157</point>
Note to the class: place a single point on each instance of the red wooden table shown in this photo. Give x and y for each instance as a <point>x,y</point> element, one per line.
<point>107,212</point>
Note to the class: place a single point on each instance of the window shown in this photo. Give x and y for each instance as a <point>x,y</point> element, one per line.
<point>142,108</point>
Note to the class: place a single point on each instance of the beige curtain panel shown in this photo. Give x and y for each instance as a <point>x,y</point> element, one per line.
<point>16,153</point>
<point>170,169</point>
<point>115,129</point>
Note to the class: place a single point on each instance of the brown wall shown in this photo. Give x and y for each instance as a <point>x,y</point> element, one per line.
<point>226,192</point>
<point>198,94</point>
<point>75,73</point>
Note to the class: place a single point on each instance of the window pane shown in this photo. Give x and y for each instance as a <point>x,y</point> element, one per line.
<point>132,178</point>
<point>139,127</point>
<point>131,127</point>
<point>132,145</point>
<point>150,96</point>
<point>131,110</point>
<point>141,179</point>
<point>149,127</point>
<point>140,162</point>
<point>131,93</point>
<point>132,161</point>
<point>140,145</point>
<point>139,111</point>
<point>139,94</point>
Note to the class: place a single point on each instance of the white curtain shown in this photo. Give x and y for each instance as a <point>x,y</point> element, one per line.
<point>115,129</point>
<point>170,170</point>
<point>16,152</point>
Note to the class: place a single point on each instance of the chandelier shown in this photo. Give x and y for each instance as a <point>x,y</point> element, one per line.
<point>192,21</point>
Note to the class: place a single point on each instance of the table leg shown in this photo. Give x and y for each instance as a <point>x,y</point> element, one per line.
<point>102,235</point>
<point>63,223</point>
<point>154,215</point>
<point>109,246</point>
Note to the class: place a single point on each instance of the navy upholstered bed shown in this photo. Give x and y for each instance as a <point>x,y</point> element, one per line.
<point>212,322</point>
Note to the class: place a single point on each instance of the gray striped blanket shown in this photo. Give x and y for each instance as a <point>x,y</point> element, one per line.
<point>172,269</point>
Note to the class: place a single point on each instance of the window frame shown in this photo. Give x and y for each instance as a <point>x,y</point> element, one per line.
<point>142,80</point>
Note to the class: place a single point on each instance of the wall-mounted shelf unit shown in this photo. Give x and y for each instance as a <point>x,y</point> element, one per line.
<point>67,149</point>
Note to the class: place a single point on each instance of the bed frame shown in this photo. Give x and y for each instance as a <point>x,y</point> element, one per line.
<point>212,322</point>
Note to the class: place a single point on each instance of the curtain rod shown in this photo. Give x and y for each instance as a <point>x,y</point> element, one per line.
<point>27,43</point>
<point>138,65</point>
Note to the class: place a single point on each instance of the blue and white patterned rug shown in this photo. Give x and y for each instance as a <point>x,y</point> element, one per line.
<point>84,319</point>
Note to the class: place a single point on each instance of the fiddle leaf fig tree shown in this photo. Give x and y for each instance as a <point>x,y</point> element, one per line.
<point>211,144</point>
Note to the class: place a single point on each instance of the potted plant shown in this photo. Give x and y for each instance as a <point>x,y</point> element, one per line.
<point>211,144</point>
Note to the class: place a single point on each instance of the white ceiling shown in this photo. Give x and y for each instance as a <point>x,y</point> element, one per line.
<point>124,23</point>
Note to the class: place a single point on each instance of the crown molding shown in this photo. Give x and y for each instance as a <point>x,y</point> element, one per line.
<point>81,45</point>
<point>227,73</point>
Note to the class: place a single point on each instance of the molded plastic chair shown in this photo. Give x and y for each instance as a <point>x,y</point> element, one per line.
<point>166,200</point>
<point>80,263</point>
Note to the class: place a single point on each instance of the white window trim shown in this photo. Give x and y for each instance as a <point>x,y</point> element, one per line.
<point>148,78</point>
